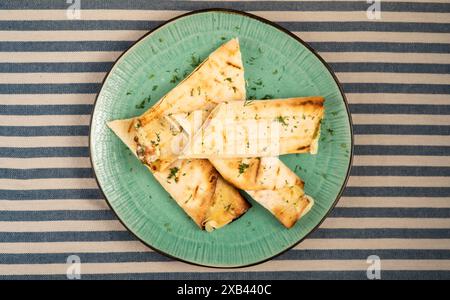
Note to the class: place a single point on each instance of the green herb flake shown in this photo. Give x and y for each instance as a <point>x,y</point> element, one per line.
<point>330,131</point>
<point>141,105</point>
<point>267,97</point>
<point>174,79</point>
<point>275,72</point>
<point>195,61</point>
<point>129,93</point>
<point>281,120</point>
<point>154,88</point>
<point>228,79</point>
<point>173,174</point>
<point>151,76</point>
<point>160,40</point>
<point>243,167</point>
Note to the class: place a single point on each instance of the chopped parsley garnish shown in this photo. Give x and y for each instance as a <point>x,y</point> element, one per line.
<point>160,40</point>
<point>154,88</point>
<point>281,120</point>
<point>195,61</point>
<point>267,97</point>
<point>174,79</point>
<point>243,167</point>
<point>223,38</point>
<point>141,105</point>
<point>330,131</point>
<point>275,72</point>
<point>151,76</point>
<point>173,173</point>
<point>258,82</point>
<point>129,92</point>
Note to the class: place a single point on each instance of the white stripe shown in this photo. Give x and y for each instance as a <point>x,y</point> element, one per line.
<point>308,244</point>
<point>75,247</point>
<point>40,205</point>
<point>52,183</point>
<point>432,202</point>
<point>385,77</point>
<point>399,119</point>
<point>344,77</point>
<point>331,57</point>
<point>43,141</point>
<point>393,98</point>
<point>369,244</point>
<point>54,57</point>
<point>44,120</point>
<point>376,36</point>
<point>45,99</point>
<point>277,16</point>
<point>399,181</point>
<point>388,57</point>
<point>401,160</point>
<point>310,36</point>
<point>358,119</point>
<point>390,140</point>
<point>335,223</point>
<point>361,139</point>
<point>175,266</point>
<point>45,162</point>
<point>61,226</point>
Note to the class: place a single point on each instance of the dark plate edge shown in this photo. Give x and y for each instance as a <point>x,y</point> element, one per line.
<point>282,29</point>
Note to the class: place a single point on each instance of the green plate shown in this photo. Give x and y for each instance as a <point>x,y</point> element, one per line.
<point>277,64</point>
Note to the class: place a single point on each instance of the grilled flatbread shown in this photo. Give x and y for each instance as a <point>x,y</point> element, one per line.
<point>194,184</point>
<point>267,179</point>
<point>219,77</point>
<point>257,129</point>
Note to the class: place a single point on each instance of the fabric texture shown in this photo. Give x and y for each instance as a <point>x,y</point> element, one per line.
<point>395,71</point>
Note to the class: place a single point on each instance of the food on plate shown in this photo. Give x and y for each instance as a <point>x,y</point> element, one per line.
<point>257,129</point>
<point>216,78</point>
<point>194,184</point>
<point>266,179</point>
<point>204,183</point>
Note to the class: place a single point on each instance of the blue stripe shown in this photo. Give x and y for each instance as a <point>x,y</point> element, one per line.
<point>56,67</point>
<point>367,233</point>
<point>65,236</point>
<point>241,5</point>
<point>279,275</point>
<point>57,215</point>
<point>67,67</point>
<point>46,173</point>
<point>73,46</point>
<point>397,191</point>
<point>339,212</point>
<point>358,129</point>
<point>60,109</point>
<point>396,88</point>
<point>356,171</point>
<point>44,130</point>
<point>390,67</point>
<point>50,194</point>
<point>402,129</point>
<point>92,88</point>
<point>44,152</point>
<point>399,109</point>
<point>388,212</point>
<point>292,26</point>
<point>359,150</point>
<point>55,258</point>
<point>401,150</point>
<point>399,171</point>
<point>63,88</point>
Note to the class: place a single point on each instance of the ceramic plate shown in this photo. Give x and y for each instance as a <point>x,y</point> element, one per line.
<point>277,65</point>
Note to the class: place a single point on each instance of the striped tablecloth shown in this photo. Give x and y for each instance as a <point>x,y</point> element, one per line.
<point>395,71</point>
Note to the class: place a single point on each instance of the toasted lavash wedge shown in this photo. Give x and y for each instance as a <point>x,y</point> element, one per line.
<point>267,179</point>
<point>258,129</point>
<point>220,76</point>
<point>196,186</point>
